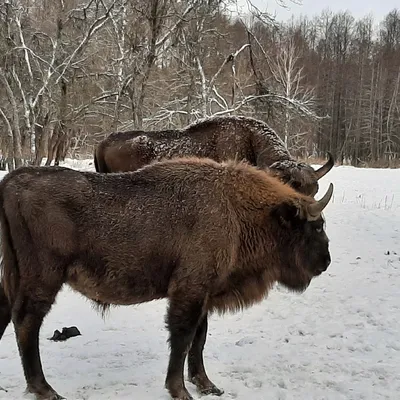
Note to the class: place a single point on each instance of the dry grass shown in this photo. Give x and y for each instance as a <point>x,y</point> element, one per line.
<point>382,164</point>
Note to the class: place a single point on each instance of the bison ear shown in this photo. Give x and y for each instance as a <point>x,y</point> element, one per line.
<point>288,213</point>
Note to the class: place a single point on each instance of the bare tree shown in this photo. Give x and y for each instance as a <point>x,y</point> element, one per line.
<point>288,72</point>
<point>39,65</point>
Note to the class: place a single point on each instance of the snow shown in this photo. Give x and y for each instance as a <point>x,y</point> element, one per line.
<point>337,340</point>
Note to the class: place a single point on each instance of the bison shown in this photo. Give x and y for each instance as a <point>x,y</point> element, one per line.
<point>209,237</point>
<point>219,138</point>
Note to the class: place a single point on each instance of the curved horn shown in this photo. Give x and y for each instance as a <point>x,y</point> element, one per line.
<point>320,172</point>
<point>314,210</point>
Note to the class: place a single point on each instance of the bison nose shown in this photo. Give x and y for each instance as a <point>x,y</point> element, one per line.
<point>328,261</point>
<point>325,264</point>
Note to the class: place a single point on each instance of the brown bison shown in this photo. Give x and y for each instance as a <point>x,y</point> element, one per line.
<point>209,237</point>
<point>218,138</point>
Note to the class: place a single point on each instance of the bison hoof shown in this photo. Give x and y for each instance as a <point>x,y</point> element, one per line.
<point>48,395</point>
<point>53,396</point>
<point>211,390</point>
<point>178,392</point>
<point>205,386</point>
<point>182,396</point>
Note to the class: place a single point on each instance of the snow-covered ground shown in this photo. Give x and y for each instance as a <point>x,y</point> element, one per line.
<point>338,340</point>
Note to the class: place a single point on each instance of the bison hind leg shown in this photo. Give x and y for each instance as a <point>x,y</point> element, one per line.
<point>32,303</point>
<point>5,312</point>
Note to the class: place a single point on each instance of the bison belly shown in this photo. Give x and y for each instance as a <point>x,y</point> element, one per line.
<point>124,281</point>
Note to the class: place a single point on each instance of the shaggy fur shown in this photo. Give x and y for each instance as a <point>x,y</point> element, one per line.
<point>219,138</point>
<point>209,237</point>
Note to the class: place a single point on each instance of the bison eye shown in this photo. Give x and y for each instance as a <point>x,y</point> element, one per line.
<point>318,229</point>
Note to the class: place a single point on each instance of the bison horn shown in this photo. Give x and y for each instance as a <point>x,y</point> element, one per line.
<point>314,210</point>
<point>320,172</point>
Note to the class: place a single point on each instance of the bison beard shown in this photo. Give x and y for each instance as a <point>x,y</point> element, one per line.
<point>209,237</point>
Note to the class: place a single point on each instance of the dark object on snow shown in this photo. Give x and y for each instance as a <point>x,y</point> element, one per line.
<point>65,334</point>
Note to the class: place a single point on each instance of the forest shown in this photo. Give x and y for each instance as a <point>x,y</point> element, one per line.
<point>73,71</point>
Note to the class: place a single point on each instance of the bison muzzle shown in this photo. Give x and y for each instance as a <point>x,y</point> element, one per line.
<point>209,237</point>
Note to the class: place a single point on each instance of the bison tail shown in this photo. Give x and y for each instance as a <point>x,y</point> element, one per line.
<point>99,162</point>
<point>9,270</point>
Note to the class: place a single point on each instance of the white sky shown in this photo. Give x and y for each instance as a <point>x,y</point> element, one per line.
<point>358,8</point>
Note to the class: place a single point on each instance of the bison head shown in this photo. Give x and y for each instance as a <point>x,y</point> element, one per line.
<point>306,246</point>
<point>300,176</point>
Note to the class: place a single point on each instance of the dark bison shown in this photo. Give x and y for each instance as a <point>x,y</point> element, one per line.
<point>209,237</point>
<point>218,138</point>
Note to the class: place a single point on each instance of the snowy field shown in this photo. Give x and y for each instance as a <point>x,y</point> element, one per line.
<point>338,340</point>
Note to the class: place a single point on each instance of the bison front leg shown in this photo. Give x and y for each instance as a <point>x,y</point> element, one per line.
<point>183,317</point>
<point>197,372</point>
<point>27,315</point>
<point>5,312</point>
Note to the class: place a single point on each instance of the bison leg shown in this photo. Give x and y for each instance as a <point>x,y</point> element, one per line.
<point>27,315</point>
<point>182,319</point>
<point>197,372</point>
<point>5,312</point>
